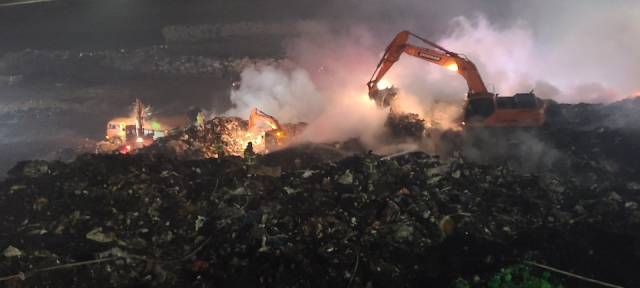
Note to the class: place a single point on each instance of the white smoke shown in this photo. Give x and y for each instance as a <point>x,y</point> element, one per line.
<point>284,90</point>
<point>584,54</point>
<point>568,51</point>
<point>323,82</point>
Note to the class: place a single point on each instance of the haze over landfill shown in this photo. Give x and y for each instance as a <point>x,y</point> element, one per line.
<point>569,52</point>
<point>69,68</point>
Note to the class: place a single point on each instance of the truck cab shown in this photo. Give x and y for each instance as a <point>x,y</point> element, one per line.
<point>116,130</point>
<point>124,132</point>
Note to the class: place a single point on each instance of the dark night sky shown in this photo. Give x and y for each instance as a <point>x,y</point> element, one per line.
<point>97,24</point>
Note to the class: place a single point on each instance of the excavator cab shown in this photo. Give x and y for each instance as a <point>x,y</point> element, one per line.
<point>478,109</point>
<point>522,109</point>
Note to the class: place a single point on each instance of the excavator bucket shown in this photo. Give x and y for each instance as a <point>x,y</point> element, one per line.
<point>384,98</point>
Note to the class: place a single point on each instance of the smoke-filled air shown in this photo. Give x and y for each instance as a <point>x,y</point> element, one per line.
<point>561,51</point>
<point>335,143</point>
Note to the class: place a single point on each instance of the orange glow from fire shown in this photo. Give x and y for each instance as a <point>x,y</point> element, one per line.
<point>383,84</point>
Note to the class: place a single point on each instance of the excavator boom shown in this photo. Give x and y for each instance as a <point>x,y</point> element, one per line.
<point>257,115</point>
<point>443,57</point>
<point>275,136</point>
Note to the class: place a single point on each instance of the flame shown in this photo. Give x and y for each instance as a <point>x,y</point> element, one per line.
<point>453,67</point>
<point>383,84</point>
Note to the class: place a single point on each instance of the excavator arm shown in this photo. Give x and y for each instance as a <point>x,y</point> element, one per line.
<point>443,57</point>
<point>257,115</point>
<point>481,107</point>
<point>275,136</point>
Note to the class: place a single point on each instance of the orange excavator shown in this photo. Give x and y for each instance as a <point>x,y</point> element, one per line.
<point>481,108</point>
<point>273,137</point>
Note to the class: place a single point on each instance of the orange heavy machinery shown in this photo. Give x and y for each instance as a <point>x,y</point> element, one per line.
<point>275,136</point>
<point>481,108</point>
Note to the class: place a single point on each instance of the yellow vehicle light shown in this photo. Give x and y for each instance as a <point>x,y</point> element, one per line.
<point>107,136</point>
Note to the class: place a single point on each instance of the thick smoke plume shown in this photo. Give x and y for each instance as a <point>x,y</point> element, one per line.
<point>322,83</point>
<point>285,90</point>
<point>583,50</point>
<point>570,70</point>
<point>567,51</point>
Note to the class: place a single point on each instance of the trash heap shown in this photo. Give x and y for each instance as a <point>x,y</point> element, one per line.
<point>294,129</point>
<point>193,143</point>
<point>584,141</point>
<point>173,215</point>
<point>204,32</point>
<point>152,219</point>
<point>145,61</point>
<point>596,139</point>
<point>405,126</point>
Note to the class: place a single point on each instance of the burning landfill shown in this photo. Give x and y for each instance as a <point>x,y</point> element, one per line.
<point>523,192</point>
<point>312,215</point>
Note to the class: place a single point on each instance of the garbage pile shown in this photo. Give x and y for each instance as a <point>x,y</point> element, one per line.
<point>173,215</point>
<point>193,143</point>
<point>294,129</point>
<point>196,65</point>
<point>579,141</point>
<point>155,220</point>
<point>204,32</point>
<point>406,126</point>
<point>146,61</point>
<point>597,139</point>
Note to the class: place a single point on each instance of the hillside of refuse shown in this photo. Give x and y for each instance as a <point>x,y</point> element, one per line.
<point>174,215</point>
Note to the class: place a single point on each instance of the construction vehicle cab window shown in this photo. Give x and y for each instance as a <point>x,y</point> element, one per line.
<point>481,108</point>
